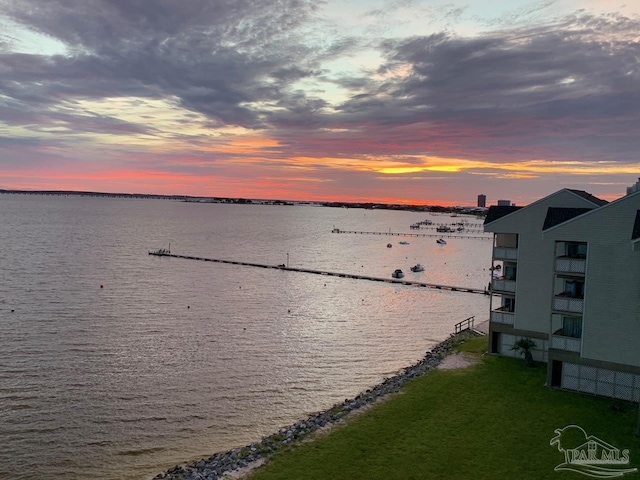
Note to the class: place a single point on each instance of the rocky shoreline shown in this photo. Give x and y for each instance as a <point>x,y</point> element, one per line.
<point>221,464</point>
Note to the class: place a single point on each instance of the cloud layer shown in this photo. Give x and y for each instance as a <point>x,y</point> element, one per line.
<point>271,98</point>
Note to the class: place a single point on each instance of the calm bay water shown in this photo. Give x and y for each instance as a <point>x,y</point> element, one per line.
<point>115,364</point>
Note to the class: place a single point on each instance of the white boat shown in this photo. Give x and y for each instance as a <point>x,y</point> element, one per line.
<point>441,241</point>
<point>417,268</point>
<point>397,273</point>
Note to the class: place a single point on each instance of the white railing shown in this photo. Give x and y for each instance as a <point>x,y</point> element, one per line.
<point>505,253</point>
<point>571,265</point>
<point>570,344</point>
<point>502,317</point>
<point>567,304</point>
<point>503,285</point>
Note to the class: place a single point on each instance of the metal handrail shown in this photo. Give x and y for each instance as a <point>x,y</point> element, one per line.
<point>465,324</point>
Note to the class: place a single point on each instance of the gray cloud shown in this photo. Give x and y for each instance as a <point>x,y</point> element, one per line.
<point>213,56</point>
<point>563,86</point>
<point>567,90</point>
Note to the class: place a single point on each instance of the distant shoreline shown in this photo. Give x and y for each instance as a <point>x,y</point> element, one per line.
<point>247,201</point>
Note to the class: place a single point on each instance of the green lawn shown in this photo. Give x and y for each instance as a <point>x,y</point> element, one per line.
<point>490,421</point>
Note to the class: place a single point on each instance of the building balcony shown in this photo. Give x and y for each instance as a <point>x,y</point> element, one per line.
<point>568,344</point>
<point>571,265</point>
<point>503,285</point>
<point>503,316</point>
<point>563,303</point>
<point>505,253</point>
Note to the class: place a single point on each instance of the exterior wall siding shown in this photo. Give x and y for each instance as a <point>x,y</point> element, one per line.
<point>534,285</point>
<point>611,308</point>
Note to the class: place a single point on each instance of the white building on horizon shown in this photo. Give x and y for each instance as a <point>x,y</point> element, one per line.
<point>634,188</point>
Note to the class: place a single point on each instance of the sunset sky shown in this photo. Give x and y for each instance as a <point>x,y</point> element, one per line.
<point>402,101</point>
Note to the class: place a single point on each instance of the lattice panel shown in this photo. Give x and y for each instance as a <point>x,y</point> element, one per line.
<point>506,344</point>
<point>569,382</point>
<point>587,385</point>
<point>623,378</point>
<point>571,369</point>
<point>606,375</point>
<point>588,373</point>
<point>624,393</point>
<point>606,389</point>
<point>600,381</point>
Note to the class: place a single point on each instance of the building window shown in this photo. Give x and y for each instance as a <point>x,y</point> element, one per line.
<point>576,250</point>
<point>506,240</point>
<point>510,272</point>
<point>572,327</point>
<point>509,304</point>
<point>574,289</point>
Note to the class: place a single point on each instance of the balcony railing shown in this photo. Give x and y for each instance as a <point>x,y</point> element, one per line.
<point>569,344</point>
<point>503,285</point>
<point>505,253</point>
<point>568,304</point>
<point>571,265</point>
<point>502,316</point>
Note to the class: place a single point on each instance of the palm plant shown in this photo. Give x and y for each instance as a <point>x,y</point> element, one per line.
<point>525,345</point>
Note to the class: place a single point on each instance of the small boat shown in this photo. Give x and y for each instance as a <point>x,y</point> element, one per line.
<point>417,268</point>
<point>441,241</point>
<point>397,273</point>
<point>403,243</point>
<point>389,245</point>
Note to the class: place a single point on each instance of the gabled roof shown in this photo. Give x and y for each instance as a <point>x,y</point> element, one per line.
<point>495,212</point>
<point>557,215</point>
<point>587,196</point>
<point>635,234</point>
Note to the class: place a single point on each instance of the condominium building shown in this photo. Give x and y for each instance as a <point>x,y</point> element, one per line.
<point>482,200</point>
<point>634,188</point>
<point>566,274</point>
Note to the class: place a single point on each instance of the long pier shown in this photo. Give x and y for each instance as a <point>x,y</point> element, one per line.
<point>428,235</point>
<point>166,253</point>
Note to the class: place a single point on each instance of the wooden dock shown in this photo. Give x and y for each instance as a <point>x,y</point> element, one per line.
<point>428,235</point>
<point>166,253</point>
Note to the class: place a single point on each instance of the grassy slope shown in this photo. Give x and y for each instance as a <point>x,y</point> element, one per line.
<point>493,420</point>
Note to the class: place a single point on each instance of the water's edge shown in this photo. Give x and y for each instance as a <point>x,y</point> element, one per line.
<point>219,464</point>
